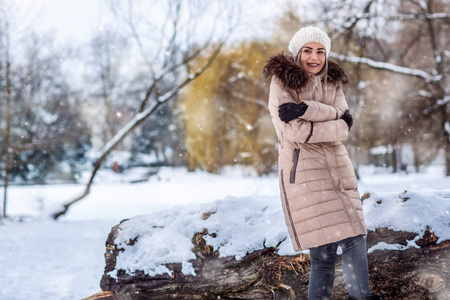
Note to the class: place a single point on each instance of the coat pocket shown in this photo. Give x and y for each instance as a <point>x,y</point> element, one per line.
<point>294,163</point>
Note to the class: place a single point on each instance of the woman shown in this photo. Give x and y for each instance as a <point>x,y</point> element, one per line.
<point>319,191</point>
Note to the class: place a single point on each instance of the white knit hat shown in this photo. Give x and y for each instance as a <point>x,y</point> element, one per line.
<point>307,35</point>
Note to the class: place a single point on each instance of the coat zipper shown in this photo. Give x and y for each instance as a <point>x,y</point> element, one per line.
<point>294,163</point>
<point>289,210</point>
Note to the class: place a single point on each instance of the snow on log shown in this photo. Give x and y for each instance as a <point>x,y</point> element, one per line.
<point>238,248</point>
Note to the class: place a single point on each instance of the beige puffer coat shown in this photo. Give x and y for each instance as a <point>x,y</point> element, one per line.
<point>319,190</point>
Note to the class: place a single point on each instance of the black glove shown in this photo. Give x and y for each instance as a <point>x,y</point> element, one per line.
<point>347,117</point>
<point>290,111</point>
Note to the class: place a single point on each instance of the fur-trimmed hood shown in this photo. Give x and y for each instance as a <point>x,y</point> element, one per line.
<point>293,76</point>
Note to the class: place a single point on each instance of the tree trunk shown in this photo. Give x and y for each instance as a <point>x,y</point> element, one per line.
<point>415,273</point>
<point>7,145</point>
<point>394,158</point>
<point>416,158</point>
<point>447,158</point>
<point>259,275</point>
<point>446,138</point>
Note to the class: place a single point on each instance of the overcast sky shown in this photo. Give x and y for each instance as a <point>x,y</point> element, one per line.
<point>69,20</point>
<point>76,20</point>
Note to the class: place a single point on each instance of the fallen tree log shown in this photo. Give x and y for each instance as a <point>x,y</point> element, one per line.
<point>259,275</point>
<point>413,273</point>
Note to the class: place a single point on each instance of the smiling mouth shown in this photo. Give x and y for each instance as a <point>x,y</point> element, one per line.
<point>313,65</point>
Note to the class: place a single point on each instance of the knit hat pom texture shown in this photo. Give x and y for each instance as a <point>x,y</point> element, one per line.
<point>308,35</point>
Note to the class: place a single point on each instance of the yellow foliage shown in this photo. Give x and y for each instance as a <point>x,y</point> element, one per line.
<point>225,111</point>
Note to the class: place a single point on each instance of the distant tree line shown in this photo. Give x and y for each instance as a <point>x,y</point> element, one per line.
<point>66,109</point>
<point>59,106</point>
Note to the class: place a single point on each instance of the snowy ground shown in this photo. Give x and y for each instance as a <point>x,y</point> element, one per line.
<point>44,259</point>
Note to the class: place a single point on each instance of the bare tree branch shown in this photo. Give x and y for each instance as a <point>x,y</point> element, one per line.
<point>424,16</point>
<point>135,122</point>
<point>256,101</point>
<point>170,66</point>
<point>437,105</point>
<point>388,67</point>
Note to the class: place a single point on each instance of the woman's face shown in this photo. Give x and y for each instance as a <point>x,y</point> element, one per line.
<point>312,57</point>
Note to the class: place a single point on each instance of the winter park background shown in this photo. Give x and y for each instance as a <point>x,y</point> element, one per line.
<point>158,109</point>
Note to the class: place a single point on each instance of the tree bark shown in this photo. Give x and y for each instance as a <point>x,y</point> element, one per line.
<point>103,296</point>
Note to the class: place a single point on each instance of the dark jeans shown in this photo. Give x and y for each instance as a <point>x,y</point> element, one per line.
<point>354,266</point>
